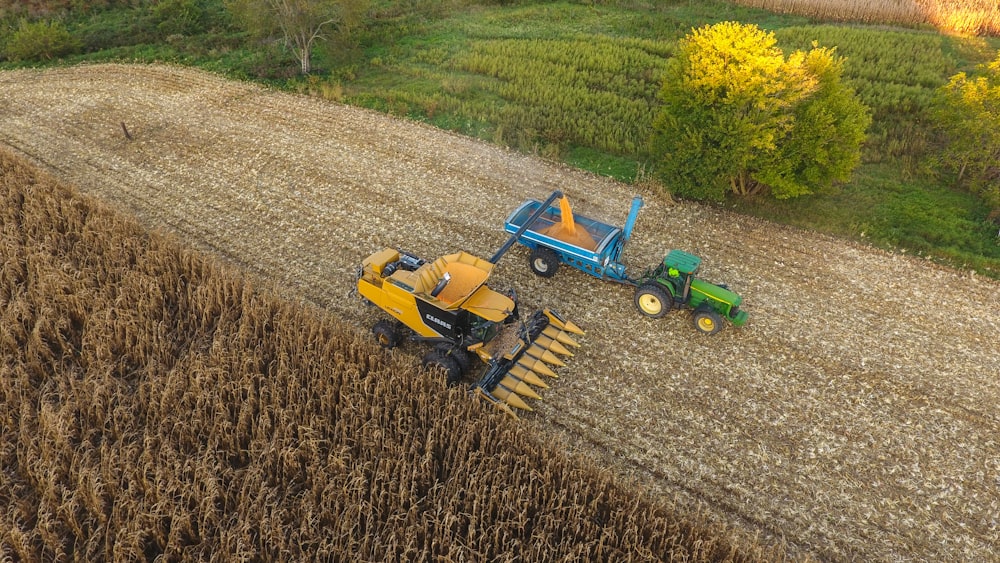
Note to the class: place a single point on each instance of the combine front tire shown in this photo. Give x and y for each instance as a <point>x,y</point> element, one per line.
<point>706,320</point>
<point>653,301</point>
<point>544,261</point>
<point>452,371</point>
<point>460,356</point>
<point>386,334</point>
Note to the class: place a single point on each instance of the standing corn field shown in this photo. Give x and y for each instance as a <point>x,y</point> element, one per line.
<point>971,17</point>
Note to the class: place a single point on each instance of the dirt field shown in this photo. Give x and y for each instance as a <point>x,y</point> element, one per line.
<point>854,417</point>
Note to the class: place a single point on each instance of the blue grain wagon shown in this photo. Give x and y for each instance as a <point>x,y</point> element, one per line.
<point>595,248</point>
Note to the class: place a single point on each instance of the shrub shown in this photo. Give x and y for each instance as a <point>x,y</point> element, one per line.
<point>737,115</point>
<point>40,41</point>
<point>183,17</point>
<point>967,113</point>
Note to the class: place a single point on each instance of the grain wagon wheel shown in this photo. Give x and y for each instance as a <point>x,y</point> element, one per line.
<point>544,262</point>
<point>653,301</point>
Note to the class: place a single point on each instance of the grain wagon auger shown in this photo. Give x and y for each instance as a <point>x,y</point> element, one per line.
<point>447,303</point>
<point>556,235</point>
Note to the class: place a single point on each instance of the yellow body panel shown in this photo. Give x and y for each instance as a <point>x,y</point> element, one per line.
<point>397,294</point>
<point>378,260</point>
<point>489,304</point>
<point>397,302</point>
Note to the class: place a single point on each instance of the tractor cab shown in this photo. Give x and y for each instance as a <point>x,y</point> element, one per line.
<point>679,268</point>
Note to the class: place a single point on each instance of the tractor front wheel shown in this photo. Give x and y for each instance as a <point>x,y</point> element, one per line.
<point>386,334</point>
<point>452,371</point>
<point>544,261</point>
<point>653,300</point>
<point>706,321</point>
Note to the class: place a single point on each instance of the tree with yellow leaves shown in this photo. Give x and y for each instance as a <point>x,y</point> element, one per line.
<point>738,116</point>
<point>968,116</point>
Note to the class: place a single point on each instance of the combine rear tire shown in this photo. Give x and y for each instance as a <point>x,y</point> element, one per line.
<point>544,261</point>
<point>653,301</point>
<point>386,334</point>
<point>452,371</point>
<point>706,320</point>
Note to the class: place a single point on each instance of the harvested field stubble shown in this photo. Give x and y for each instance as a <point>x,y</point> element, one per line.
<point>155,403</point>
<point>854,417</point>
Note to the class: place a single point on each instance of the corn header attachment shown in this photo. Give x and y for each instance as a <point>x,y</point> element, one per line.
<point>542,343</point>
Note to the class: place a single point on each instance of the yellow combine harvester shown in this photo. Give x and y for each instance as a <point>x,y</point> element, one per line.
<point>446,302</point>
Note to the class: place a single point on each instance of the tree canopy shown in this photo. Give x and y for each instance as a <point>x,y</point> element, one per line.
<point>301,22</point>
<point>739,116</point>
<point>968,115</point>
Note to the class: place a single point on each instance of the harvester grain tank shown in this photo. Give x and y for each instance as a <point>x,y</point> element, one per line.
<point>446,302</point>
<point>556,235</point>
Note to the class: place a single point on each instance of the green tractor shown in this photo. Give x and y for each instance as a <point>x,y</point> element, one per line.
<point>673,285</point>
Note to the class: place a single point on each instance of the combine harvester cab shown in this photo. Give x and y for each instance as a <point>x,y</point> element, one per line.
<point>447,303</point>
<point>556,235</point>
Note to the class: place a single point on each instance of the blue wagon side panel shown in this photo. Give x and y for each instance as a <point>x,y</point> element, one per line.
<point>599,262</point>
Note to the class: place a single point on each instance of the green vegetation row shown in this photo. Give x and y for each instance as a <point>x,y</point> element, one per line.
<point>578,81</point>
<point>895,73</point>
<point>153,402</point>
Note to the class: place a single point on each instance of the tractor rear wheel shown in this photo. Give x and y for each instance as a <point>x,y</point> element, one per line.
<point>706,320</point>
<point>452,371</point>
<point>653,300</point>
<point>544,261</point>
<point>386,334</point>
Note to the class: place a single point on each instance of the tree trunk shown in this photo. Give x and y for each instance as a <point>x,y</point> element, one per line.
<point>739,183</point>
<point>754,187</point>
<point>304,56</point>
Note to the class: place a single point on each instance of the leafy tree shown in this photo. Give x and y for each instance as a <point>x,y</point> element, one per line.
<point>179,16</point>
<point>40,41</point>
<point>824,143</point>
<point>968,115</point>
<point>737,115</point>
<point>301,22</point>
